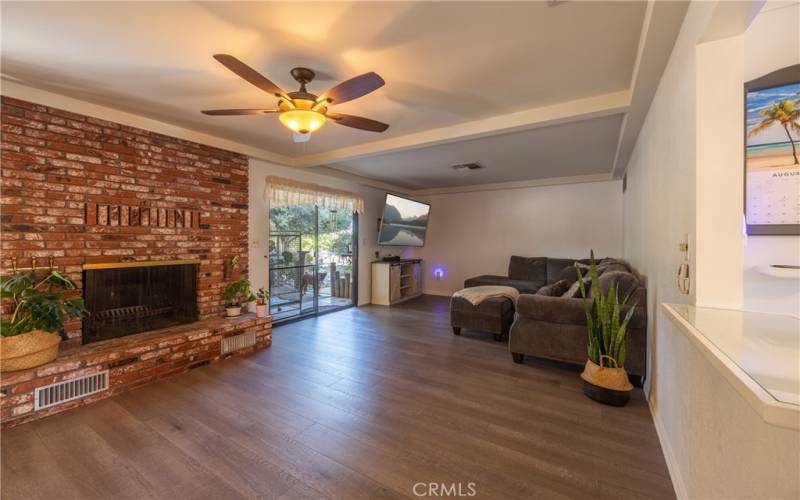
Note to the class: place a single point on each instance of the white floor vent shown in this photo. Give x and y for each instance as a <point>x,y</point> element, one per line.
<point>236,342</point>
<point>61,392</point>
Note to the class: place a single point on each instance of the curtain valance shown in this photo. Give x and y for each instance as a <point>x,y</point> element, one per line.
<point>284,192</point>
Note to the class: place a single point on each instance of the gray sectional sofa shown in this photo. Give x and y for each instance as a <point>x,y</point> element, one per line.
<point>550,321</point>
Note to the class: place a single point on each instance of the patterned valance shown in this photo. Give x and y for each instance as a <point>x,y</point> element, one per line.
<point>284,192</point>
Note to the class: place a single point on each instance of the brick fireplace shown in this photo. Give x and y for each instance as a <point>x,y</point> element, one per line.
<point>79,192</point>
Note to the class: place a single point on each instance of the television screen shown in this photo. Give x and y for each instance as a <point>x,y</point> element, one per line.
<point>404,222</point>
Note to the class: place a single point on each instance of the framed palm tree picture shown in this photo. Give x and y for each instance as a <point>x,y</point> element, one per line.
<point>772,153</point>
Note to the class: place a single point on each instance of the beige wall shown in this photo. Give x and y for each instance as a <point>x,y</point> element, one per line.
<point>475,233</point>
<point>259,222</point>
<point>716,445</point>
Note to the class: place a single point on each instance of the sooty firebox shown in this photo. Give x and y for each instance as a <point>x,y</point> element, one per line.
<point>132,297</point>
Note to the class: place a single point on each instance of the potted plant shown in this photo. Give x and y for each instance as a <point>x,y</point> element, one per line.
<point>262,297</point>
<point>251,301</point>
<point>604,376</point>
<point>235,294</point>
<point>30,337</point>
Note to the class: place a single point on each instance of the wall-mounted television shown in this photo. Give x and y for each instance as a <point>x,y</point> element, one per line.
<point>772,152</point>
<point>404,222</point>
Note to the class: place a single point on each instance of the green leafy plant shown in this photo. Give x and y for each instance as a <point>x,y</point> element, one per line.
<point>236,292</point>
<point>262,296</point>
<point>606,327</point>
<point>39,304</point>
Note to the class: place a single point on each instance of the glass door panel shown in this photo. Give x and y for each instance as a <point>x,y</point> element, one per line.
<point>311,261</point>
<point>292,245</point>
<point>335,258</point>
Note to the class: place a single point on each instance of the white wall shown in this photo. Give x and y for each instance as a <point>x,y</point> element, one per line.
<point>259,222</point>
<point>716,445</point>
<point>771,42</point>
<point>659,204</point>
<point>719,121</point>
<point>475,233</point>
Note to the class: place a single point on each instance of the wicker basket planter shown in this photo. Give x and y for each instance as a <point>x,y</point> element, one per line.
<point>28,350</point>
<point>606,384</point>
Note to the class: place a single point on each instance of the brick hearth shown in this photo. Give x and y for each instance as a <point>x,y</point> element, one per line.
<point>132,361</point>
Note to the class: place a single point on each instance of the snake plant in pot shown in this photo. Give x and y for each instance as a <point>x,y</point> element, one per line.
<point>39,309</point>
<point>604,376</point>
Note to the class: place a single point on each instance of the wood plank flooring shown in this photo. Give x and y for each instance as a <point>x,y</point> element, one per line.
<point>362,403</point>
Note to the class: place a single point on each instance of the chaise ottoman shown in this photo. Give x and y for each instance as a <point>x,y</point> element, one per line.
<point>493,315</point>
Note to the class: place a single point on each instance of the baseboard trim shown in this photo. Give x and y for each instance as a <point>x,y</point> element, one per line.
<point>440,293</point>
<point>669,456</point>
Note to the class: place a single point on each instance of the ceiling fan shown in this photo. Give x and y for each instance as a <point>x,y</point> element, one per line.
<point>303,112</point>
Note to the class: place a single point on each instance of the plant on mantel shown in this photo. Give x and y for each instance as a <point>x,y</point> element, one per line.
<point>30,337</point>
<point>235,294</point>
<point>262,298</point>
<point>607,331</point>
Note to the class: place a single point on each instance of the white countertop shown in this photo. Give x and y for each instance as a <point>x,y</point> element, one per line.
<point>758,353</point>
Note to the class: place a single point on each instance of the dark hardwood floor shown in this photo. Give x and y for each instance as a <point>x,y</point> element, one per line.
<point>362,403</point>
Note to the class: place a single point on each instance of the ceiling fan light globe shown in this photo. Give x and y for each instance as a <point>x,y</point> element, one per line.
<point>302,120</point>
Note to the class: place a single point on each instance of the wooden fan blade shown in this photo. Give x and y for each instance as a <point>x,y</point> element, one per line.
<point>353,88</point>
<point>249,74</point>
<point>358,122</point>
<point>226,112</point>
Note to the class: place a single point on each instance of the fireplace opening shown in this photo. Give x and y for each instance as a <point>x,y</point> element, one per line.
<point>128,298</point>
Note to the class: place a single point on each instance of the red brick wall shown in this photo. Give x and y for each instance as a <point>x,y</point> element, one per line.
<point>85,190</point>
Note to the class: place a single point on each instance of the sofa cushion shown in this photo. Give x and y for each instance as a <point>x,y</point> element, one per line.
<point>626,282</point>
<point>554,290</point>
<point>533,269</point>
<point>574,290</point>
<point>610,263</point>
<point>521,286</point>
<point>570,273</point>
<point>551,309</point>
<point>613,267</point>
<point>556,266</point>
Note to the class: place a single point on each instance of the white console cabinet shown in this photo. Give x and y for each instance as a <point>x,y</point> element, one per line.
<point>395,282</point>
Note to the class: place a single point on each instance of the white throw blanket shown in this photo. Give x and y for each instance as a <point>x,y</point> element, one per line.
<point>478,294</point>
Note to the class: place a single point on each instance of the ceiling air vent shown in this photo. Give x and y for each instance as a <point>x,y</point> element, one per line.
<point>463,167</point>
<point>61,392</point>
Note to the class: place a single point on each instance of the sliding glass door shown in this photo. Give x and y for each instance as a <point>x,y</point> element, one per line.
<point>312,261</point>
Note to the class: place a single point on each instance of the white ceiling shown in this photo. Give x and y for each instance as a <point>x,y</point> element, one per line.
<point>447,64</point>
<point>580,148</point>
